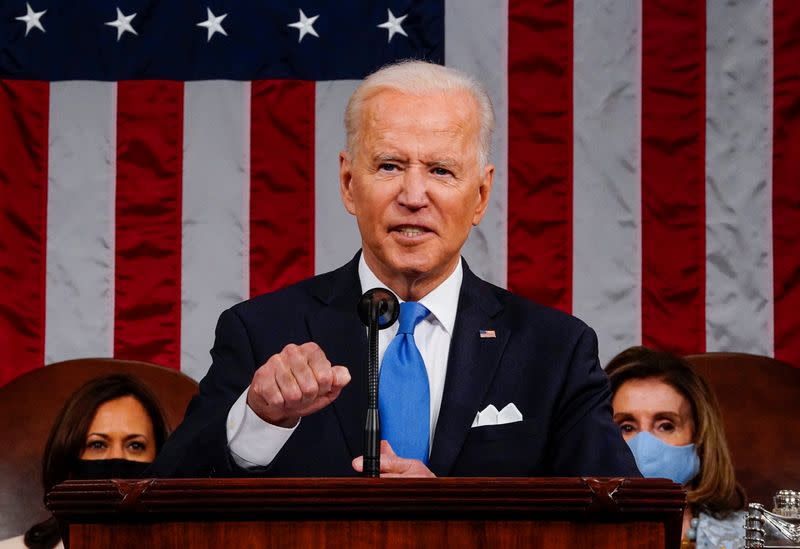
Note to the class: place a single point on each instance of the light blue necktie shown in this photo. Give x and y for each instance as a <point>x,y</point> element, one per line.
<point>403,393</point>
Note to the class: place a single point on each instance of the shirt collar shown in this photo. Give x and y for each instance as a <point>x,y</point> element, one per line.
<point>442,301</point>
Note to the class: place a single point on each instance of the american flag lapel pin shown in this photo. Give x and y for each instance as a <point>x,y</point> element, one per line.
<point>487,334</point>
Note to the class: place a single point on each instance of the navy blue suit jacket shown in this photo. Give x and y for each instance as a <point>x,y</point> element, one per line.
<point>542,360</point>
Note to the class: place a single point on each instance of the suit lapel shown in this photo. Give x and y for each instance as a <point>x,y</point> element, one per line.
<point>338,331</point>
<point>471,366</point>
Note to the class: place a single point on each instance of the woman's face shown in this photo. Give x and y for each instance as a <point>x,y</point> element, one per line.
<point>120,429</point>
<point>654,406</point>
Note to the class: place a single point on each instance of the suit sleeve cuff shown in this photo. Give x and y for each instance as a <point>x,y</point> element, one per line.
<point>253,442</point>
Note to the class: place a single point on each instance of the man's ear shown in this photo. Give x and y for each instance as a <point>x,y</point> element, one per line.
<point>345,182</point>
<point>484,192</point>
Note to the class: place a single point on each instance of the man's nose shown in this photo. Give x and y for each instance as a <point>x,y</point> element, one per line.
<point>414,191</point>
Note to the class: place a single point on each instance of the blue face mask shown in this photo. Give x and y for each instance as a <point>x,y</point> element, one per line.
<point>657,459</point>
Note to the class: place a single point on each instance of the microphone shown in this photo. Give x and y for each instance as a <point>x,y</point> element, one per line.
<point>378,308</point>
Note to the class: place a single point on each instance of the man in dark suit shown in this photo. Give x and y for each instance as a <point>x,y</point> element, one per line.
<point>507,387</point>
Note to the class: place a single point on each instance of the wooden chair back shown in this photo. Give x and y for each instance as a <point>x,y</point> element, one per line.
<point>28,407</point>
<point>760,401</point>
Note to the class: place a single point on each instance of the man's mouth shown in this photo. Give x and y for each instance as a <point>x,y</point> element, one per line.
<point>411,231</point>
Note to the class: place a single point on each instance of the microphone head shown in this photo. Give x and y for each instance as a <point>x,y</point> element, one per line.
<point>385,304</point>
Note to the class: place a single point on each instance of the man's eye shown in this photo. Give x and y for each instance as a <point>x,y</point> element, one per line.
<point>387,167</point>
<point>441,171</point>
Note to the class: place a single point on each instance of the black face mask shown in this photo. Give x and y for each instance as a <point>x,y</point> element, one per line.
<point>93,469</point>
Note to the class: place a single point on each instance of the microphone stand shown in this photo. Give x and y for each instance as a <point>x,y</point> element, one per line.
<point>372,429</point>
<point>378,308</point>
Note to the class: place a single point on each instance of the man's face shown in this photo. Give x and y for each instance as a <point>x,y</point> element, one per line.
<point>415,185</point>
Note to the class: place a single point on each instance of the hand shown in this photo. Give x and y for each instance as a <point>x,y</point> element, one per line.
<point>294,383</point>
<point>393,466</point>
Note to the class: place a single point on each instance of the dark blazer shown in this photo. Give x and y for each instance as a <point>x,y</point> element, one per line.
<point>542,360</point>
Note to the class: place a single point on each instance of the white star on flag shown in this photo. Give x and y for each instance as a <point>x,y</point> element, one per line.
<point>123,24</point>
<point>32,19</point>
<point>305,26</point>
<point>213,24</point>
<point>393,25</point>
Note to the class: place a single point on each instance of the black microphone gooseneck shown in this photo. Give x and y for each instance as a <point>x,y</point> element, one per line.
<point>378,308</point>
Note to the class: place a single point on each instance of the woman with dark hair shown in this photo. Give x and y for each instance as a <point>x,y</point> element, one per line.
<point>111,427</point>
<point>672,422</point>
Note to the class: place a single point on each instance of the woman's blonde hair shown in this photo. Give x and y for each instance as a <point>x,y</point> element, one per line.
<point>714,489</point>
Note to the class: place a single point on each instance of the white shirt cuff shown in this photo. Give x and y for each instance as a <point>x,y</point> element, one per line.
<point>252,441</point>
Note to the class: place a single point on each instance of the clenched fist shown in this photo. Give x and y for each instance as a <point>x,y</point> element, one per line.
<point>294,383</point>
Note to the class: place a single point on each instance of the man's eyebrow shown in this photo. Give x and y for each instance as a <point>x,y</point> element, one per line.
<point>388,157</point>
<point>446,162</point>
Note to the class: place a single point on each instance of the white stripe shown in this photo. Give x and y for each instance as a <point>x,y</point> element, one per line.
<point>476,41</point>
<point>216,183</point>
<point>606,198</point>
<point>336,236</point>
<point>770,262</point>
<point>79,314</point>
<point>739,310</point>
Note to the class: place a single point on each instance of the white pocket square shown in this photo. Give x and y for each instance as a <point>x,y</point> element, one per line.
<point>490,415</point>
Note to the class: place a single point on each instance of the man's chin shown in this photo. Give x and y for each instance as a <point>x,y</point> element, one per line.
<point>409,264</point>
<point>413,264</point>
<point>408,271</point>
<point>405,270</point>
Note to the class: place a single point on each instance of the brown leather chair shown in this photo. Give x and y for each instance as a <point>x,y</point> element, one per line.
<point>28,408</point>
<point>760,401</point>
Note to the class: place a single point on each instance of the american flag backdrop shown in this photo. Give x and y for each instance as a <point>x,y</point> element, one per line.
<point>163,160</point>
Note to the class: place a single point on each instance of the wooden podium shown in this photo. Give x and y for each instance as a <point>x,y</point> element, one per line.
<point>371,513</point>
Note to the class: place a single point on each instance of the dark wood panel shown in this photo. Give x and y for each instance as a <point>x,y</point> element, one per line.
<point>357,534</point>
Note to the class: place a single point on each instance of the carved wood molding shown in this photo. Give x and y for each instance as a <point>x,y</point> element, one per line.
<point>329,498</point>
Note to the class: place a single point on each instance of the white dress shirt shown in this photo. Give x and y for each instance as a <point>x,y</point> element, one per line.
<point>254,442</point>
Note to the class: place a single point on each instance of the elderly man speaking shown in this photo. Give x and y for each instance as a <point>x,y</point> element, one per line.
<point>473,379</point>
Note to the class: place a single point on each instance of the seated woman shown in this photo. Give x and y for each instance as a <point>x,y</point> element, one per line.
<point>112,427</point>
<point>671,420</point>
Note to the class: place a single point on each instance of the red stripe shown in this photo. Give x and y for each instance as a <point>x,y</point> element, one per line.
<point>148,225</point>
<point>540,151</point>
<point>673,175</point>
<point>786,180</point>
<point>281,184</point>
<point>24,119</point>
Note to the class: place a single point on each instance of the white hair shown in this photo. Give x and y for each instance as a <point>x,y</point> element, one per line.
<point>421,78</point>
